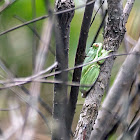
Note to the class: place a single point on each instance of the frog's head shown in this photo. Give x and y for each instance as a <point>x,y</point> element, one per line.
<point>97,46</point>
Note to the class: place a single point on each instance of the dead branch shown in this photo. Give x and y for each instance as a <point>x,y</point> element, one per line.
<point>114,33</point>
<point>123,81</point>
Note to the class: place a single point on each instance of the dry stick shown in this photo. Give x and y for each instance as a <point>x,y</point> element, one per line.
<point>41,101</point>
<point>135,126</point>
<point>11,76</point>
<point>99,29</point>
<point>132,127</point>
<point>102,13</point>
<point>80,55</point>
<point>102,22</point>
<point>33,30</point>
<point>20,93</point>
<point>126,44</point>
<point>130,40</point>
<point>123,81</point>
<point>113,36</point>
<point>30,78</point>
<point>44,17</point>
<point>137,134</point>
<point>123,114</point>
<point>34,39</point>
<point>10,109</point>
<point>27,100</point>
<point>127,131</point>
<point>39,77</point>
<point>135,123</point>
<point>22,82</point>
<point>35,87</point>
<point>17,91</point>
<point>96,13</point>
<point>127,41</point>
<point>44,105</point>
<point>6,5</point>
<point>129,66</point>
<point>33,60</point>
<point>132,123</point>
<point>82,65</point>
<point>62,32</point>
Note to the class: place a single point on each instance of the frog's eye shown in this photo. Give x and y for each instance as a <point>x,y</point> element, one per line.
<point>95,45</point>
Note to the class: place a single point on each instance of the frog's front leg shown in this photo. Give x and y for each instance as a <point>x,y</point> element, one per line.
<point>89,78</point>
<point>104,53</point>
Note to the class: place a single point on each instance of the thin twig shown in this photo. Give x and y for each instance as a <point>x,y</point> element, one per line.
<point>44,17</point>
<point>10,109</point>
<point>6,5</point>
<point>39,77</point>
<point>23,89</point>
<point>35,32</point>
<point>35,87</point>
<point>34,44</point>
<point>99,29</point>
<point>96,13</point>
<point>116,91</point>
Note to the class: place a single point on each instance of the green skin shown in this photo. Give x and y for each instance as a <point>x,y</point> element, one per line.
<point>91,72</point>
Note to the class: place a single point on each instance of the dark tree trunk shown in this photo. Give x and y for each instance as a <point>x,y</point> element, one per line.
<point>80,56</point>
<point>62,29</point>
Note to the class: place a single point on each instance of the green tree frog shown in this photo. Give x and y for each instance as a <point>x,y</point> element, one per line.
<point>91,72</point>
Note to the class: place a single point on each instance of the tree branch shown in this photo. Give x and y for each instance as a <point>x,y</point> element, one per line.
<point>62,30</point>
<point>80,55</point>
<point>6,5</point>
<point>114,33</point>
<point>122,83</point>
<point>43,17</point>
<point>39,65</point>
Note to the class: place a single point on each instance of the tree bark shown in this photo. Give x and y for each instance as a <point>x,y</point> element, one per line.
<point>122,83</point>
<point>80,55</point>
<point>113,36</point>
<point>62,30</point>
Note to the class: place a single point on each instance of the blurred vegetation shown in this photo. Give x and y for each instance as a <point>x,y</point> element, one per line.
<point>16,46</point>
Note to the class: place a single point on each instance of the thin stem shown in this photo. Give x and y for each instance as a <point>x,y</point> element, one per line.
<point>44,17</point>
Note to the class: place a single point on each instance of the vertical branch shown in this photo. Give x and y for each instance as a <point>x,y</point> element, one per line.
<point>6,5</point>
<point>34,36</point>
<point>102,12</point>
<point>62,30</point>
<point>80,55</point>
<point>114,33</point>
<point>100,27</point>
<point>122,84</point>
<point>35,87</point>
